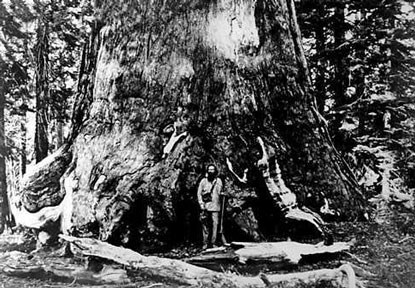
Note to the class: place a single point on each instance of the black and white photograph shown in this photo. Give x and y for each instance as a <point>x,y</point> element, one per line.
<point>207,143</point>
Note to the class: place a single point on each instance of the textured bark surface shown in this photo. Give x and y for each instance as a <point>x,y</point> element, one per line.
<point>42,91</point>
<point>225,72</point>
<point>4,207</point>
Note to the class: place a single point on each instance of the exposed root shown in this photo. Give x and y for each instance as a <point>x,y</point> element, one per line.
<point>351,276</point>
<point>285,198</point>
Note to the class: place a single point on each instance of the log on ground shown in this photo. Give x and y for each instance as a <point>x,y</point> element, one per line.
<point>58,269</point>
<point>176,271</point>
<point>285,251</point>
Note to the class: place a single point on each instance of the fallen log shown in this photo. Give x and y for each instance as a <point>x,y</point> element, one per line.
<point>179,272</point>
<point>275,252</point>
<point>171,270</point>
<point>229,256</point>
<point>286,251</point>
<point>19,264</point>
<point>332,276</point>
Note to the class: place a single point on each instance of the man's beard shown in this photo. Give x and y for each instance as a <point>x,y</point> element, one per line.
<point>210,176</point>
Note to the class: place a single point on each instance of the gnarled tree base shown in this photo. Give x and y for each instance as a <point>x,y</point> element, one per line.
<point>42,198</point>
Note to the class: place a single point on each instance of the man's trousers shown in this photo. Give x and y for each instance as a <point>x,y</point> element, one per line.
<point>210,221</point>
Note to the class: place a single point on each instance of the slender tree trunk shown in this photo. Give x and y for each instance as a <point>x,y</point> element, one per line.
<point>42,91</point>
<point>360,76</point>
<point>360,55</point>
<point>4,212</point>
<point>391,50</point>
<point>23,156</point>
<point>59,134</point>
<point>320,82</point>
<point>341,73</point>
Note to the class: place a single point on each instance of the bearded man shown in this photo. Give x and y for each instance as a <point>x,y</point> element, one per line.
<point>208,195</point>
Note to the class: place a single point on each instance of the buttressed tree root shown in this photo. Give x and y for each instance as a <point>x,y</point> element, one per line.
<point>284,198</point>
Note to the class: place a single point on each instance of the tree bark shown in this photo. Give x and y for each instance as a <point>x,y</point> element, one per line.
<point>340,67</point>
<point>4,212</point>
<point>41,185</point>
<point>360,77</point>
<point>59,133</point>
<point>167,88</point>
<point>42,91</point>
<point>23,157</point>
<point>321,67</point>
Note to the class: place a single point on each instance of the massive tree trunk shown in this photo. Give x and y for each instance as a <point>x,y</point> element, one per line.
<point>225,72</point>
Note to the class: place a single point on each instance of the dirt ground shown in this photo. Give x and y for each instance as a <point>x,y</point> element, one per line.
<point>385,249</point>
<point>383,256</point>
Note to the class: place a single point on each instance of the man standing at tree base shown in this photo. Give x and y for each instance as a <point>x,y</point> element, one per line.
<point>208,195</point>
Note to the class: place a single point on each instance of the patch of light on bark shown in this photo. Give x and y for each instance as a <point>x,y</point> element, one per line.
<point>107,69</point>
<point>231,26</point>
<point>181,66</point>
<point>177,67</point>
<point>70,184</point>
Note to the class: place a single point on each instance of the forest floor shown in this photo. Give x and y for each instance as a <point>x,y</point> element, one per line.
<point>383,256</point>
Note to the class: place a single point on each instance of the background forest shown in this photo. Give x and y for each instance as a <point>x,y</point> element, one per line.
<point>41,45</point>
<point>361,60</point>
<point>361,66</point>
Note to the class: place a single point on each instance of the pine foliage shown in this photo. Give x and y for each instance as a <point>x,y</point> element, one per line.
<point>372,120</point>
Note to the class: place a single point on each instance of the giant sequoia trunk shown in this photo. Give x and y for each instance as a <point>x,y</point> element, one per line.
<point>169,86</point>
